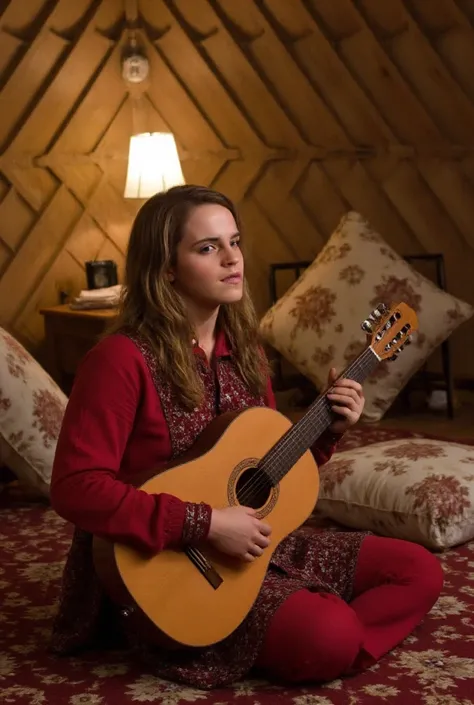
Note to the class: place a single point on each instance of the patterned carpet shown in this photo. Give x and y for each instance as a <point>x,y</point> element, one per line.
<point>435,666</point>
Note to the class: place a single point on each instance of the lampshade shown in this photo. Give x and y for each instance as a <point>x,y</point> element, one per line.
<point>153,165</point>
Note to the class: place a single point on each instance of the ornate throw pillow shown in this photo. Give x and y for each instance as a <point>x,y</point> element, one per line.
<point>31,412</point>
<point>316,324</point>
<point>415,489</point>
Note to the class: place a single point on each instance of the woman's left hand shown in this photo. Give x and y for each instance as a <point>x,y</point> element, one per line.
<point>347,400</point>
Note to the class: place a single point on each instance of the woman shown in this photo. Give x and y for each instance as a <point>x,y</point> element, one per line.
<point>184,349</point>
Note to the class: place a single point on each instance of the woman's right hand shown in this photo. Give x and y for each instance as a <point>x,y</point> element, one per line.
<point>237,532</point>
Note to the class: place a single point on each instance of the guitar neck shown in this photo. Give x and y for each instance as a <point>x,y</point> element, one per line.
<point>300,437</point>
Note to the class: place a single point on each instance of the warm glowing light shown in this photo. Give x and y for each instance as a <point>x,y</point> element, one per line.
<point>153,165</point>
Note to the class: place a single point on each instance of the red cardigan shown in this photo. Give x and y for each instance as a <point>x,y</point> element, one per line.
<point>114,424</point>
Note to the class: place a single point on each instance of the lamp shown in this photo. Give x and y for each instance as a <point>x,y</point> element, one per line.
<point>153,165</point>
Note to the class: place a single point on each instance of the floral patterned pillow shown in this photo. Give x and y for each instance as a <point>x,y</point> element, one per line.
<point>31,412</point>
<point>414,489</point>
<point>316,324</point>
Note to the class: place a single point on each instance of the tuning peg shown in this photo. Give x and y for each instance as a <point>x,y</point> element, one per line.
<point>378,312</point>
<point>367,325</point>
<point>408,341</point>
<point>373,318</point>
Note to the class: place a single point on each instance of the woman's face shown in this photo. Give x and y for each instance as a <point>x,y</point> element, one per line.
<point>209,264</point>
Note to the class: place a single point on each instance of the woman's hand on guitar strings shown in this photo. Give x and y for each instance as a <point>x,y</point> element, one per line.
<point>237,532</point>
<point>347,401</point>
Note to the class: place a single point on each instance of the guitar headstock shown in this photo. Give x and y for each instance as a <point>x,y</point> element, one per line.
<point>390,329</point>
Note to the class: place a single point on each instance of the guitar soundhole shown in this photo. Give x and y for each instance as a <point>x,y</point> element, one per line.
<point>253,488</point>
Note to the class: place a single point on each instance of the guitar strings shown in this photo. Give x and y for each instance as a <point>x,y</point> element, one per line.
<point>199,560</point>
<point>258,483</point>
<point>356,366</point>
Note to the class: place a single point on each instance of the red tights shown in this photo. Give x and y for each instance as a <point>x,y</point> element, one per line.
<point>318,637</point>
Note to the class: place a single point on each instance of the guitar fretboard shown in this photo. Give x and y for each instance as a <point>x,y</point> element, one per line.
<point>300,437</point>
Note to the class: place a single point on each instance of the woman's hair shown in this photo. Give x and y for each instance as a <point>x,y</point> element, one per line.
<point>152,308</point>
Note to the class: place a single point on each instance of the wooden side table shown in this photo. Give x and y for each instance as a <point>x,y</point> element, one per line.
<point>70,334</point>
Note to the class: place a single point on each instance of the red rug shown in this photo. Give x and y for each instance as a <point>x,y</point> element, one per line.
<point>435,665</point>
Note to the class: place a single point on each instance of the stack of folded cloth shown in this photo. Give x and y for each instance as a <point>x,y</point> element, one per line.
<point>107,297</point>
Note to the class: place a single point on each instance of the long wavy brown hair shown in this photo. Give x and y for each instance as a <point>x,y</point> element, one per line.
<point>152,308</point>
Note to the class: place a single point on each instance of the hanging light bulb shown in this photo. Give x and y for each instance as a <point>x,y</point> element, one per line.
<point>153,165</point>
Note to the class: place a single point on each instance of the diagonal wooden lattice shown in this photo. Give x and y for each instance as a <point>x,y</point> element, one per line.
<point>298,109</point>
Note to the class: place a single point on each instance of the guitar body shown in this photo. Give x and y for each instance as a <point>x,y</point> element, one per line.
<point>169,595</point>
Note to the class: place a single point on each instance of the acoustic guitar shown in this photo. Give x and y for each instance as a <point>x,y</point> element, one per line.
<point>257,458</point>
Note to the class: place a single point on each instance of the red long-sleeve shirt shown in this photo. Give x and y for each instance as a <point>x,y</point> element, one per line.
<point>113,428</point>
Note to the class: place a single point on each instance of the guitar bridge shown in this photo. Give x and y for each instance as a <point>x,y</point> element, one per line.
<point>204,567</point>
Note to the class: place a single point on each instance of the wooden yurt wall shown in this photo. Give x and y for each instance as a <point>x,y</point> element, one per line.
<point>298,109</point>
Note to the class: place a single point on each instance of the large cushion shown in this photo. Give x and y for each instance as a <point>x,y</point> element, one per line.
<point>31,412</point>
<point>316,324</point>
<point>415,489</point>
